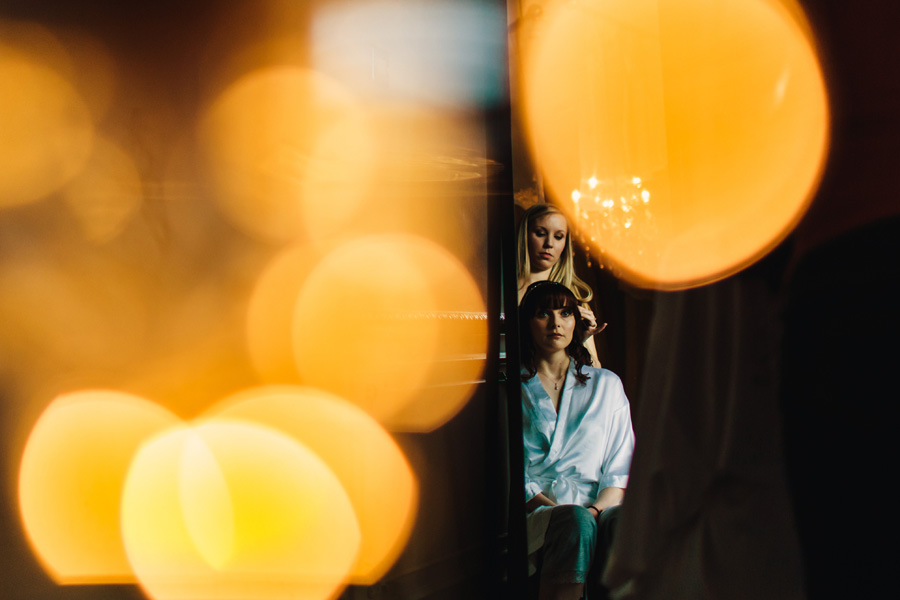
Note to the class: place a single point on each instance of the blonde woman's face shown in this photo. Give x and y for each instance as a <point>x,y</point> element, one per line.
<point>546,241</point>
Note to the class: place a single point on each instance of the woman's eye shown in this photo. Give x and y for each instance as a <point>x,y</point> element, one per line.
<point>541,314</point>
<point>566,312</point>
<point>560,237</point>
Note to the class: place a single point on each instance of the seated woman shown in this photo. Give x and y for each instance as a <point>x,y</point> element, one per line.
<point>578,444</point>
<point>544,253</point>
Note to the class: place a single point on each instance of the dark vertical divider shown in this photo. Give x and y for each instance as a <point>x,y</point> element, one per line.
<point>504,419</point>
<point>501,220</point>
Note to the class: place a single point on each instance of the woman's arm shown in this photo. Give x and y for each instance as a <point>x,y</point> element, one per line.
<point>593,327</point>
<point>592,350</point>
<point>539,500</point>
<point>611,496</point>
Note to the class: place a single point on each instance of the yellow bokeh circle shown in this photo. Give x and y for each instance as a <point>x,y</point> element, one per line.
<point>684,138</point>
<point>369,464</point>
<point>231,510</point>
<point>71,477</point>
<point>395,324</point>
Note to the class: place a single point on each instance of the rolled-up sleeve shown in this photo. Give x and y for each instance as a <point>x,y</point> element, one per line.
<point>619,448</point>
<point>532,488</point>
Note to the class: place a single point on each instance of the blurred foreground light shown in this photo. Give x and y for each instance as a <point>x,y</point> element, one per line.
<point>288,150</point>
<point>45,128</point>
<point>71,478</point>
<point>363,456</point>
<point>233,511</point>
<point>271,312</point>
<point>442,53</point>
<point>395,324</point>
<point>106,193</point>
<point>703,123</point>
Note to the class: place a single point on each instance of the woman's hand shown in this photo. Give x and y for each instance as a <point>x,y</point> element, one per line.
<point>593,327</point>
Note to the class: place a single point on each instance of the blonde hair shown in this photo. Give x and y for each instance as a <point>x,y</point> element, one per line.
<point>564,270</point>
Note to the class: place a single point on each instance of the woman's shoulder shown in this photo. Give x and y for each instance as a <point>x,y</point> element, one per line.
<point>600,373</point>
<point>604,379</point>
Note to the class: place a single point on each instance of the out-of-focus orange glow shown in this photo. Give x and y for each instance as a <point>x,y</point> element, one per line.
<point>92,72</point>
<point>63,313</point>
<point>378,321</point>
<point>288,151</point>
<point>71,477</point>
<point>364,457</point>
<point>45,128</point>
<point>228,510</point>
<point>106,193</point>
<point>684,138</point>
<point>78,58</point>
<point>271,312</point>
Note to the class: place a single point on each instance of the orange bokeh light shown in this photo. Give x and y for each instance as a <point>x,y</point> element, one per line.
<point>684,138</point>
<point>364,457</point>
<point>46,129</point>
<point>71,477</point>
<point>288,152</point>
<point>236,511</point>
<point>271,312</point>
<point>379,320</point>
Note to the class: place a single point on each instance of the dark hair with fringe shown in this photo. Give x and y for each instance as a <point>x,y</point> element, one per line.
<point>549,295</point>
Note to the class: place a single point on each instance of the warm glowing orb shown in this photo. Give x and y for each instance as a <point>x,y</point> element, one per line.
<point>685,137</point>
<point>395,324</point>
<point>227,510</point>
<point>288,152</point>
<point>271,312</point>
<point>45,128</point>
<point>363,456</point>
<point>71,477</point>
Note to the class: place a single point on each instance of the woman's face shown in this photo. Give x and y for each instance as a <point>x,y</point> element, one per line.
<point>546,241</point>
<point>552,329</point>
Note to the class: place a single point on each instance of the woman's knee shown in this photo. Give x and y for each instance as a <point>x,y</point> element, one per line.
<point>576,520</point>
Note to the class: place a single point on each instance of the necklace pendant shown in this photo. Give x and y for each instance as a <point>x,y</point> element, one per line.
<point>556,386</point>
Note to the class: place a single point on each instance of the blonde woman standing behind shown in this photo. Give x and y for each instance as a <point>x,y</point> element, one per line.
<point>545,253</point>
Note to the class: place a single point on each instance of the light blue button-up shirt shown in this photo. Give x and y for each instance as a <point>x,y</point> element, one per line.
<point>572,455</point>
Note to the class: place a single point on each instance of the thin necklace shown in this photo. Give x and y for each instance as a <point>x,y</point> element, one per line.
<point>558,379</point>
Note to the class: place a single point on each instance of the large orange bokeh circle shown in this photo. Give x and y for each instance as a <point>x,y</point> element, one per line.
<point>683,138</point>
<point>383,321</point>
<point>289,152</point>
<point>46,131</point>
<point>71,477</point>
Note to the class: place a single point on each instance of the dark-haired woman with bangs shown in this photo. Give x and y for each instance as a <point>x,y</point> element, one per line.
<point>578,444</point>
